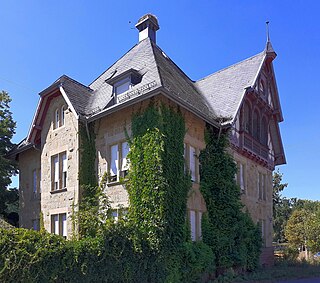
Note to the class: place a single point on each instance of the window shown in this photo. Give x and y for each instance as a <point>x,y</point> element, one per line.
<point>59,117</point>
<point>59,224</point>
<point>191,162</point>
<point>261,184</point>
<point>62,116</point>
<point>264,131</point>
<point>59,171</point>
<point>118,161</point>
<point>36,224</point>
<point>192,159</point>
<point>195,218</point>
<point>247,118</point>
<point>119,213</point>
<point>193,225</point>
<point>256,125</point>
<point>64,170</point>
<point>122,86</point>
<point>56,119</point>
<point>262,224</point>
<point>241,175</point>
<point>34,183</point>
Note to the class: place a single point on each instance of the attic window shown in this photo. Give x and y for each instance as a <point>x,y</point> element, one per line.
<point>122,86</point>
<point>123,82</point>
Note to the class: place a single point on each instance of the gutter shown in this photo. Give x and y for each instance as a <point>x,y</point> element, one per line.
<point>154,92</point>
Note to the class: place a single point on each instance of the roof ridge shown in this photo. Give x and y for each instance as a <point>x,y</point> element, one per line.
<point>185,76</point>
<point>167,57</point>
<point>75,81</point>
<point>228,67</point>
<point>134,46</point>
<point>154,45</point>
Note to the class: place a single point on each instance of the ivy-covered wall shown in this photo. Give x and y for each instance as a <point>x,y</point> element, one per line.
<point>153,244</point>
<point>230,232</point>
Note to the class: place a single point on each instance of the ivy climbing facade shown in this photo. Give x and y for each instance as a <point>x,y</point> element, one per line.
<point>185,160</point>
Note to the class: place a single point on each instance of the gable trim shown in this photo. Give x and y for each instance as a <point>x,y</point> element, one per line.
<point>247,89</point>
<point>64,95</point>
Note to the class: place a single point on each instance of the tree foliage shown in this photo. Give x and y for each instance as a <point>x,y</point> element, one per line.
<point>7,167</point>
<point>282,207</point>
<point>303,227</point>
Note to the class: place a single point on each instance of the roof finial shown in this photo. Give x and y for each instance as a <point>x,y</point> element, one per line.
<point>267,28</point>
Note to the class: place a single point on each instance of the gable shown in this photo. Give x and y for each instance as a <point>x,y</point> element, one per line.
<point>256,124</point>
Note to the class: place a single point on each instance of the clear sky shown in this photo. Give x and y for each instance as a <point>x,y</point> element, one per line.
<point>41,40</point>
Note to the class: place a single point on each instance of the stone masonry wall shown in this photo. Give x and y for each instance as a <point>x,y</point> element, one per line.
<point>56,141</point>
<point>29,203</point>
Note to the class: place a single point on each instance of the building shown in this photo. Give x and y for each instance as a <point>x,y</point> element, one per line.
<point>242,97</point>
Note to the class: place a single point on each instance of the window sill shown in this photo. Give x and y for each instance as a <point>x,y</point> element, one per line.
<point>114,183</point>
<point>58,191</point>
<point>58,128</point>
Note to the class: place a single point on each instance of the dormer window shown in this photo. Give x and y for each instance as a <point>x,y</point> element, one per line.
<point>122,86</point>
<point>122,83</point>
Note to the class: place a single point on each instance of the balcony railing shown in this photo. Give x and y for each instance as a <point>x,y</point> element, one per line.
<point>256,147</point>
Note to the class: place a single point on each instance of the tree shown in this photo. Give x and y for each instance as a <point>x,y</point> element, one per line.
<point>296,228</point>
<point>282,207</point>
<point>303,226</point>
<point>7,167</point>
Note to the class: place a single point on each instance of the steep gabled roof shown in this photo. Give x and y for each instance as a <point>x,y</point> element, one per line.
<point>225,89</point>
<point>180,86</point>
<point>140,58</point>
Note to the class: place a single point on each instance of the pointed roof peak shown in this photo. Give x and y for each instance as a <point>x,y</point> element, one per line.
<point>269,49</point>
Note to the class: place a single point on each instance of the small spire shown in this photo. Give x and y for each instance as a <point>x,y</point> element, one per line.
<point>269,49</point>
<point>267,29</point>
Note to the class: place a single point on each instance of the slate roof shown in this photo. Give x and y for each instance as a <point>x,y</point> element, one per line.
<point>216,96</point>
<point>140,58</point>
<point>179,85</point>
<point>225,89</point>
<point>78,94</point>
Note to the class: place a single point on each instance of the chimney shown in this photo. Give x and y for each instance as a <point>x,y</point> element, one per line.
<point>147,26</point>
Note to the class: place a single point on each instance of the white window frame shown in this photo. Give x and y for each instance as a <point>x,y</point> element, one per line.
<point>59,171</point>
<point>64,170</point>
<point>59,224</point>
<point>56,123</point>
<point>62,116</point>
<point>195,218</point>
<point>126,83</point>
<point>56,180</point>
<point>193,225</point>
<point>241,176</point>
<point>192,163</point>
<point>118,162</point>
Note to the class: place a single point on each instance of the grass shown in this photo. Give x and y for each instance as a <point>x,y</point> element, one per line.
<point>282,270</point>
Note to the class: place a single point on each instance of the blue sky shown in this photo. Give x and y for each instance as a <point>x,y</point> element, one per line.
<point>41,40</point>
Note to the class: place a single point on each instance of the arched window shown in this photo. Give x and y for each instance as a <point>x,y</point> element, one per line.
<point>247,117</point>
<point>264,131</point>
<point>56,119</point>
<point>62,116</point>
<point>256,125</point>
